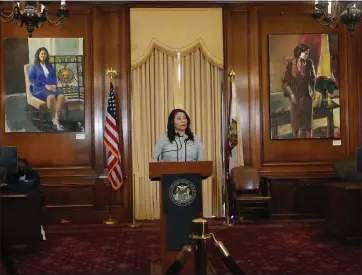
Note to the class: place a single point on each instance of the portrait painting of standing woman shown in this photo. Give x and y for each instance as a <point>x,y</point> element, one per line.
<point>44,85</point>
<point>304,86</point>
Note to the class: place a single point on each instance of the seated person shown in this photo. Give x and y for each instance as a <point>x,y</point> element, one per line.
<point>27,173</point>
<point>43,85</point>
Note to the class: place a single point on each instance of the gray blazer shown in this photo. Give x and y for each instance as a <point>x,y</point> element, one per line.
<point>180,149</point>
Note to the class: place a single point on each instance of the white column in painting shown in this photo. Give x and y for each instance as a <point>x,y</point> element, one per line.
<point>53,46</point>
<point>80,46</point>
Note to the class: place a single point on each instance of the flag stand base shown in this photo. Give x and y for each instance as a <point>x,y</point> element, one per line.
<point>227,222</point>
<point>133,225</point>
<point>110,221</point>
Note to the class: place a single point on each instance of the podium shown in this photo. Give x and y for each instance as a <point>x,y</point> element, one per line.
<point>180,202</point>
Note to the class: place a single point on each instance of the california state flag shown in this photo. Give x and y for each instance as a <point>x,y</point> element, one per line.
<point>236,154</point>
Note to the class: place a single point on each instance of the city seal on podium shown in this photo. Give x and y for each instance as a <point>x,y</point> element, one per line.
<point>182,192</point>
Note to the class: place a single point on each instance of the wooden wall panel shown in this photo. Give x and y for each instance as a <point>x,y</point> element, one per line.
<point>74,193</point>
<point>116,55</point>
<point>298,169</point>
<point>238,60</point>
<point>358,60</point>
<point>49,149</point>
<point>250,25</point>
<point>299,151</point>
<point>73,171</point>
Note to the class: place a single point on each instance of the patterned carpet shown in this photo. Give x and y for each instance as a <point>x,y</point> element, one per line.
<point>271,248</point>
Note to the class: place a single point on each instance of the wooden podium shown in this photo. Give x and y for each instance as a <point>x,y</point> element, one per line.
<point>161,171</point>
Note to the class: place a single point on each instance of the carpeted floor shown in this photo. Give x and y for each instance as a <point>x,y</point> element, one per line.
<point>271,248</point>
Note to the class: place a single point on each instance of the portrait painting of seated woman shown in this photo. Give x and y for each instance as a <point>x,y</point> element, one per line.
<point>49,94</point>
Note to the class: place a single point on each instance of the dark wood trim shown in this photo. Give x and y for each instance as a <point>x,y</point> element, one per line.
<point>359,73</point>
<point>255,119</point>
<point>126,106</point>
<point>2,84</point>
<point>98,84</point>
<point>241,59</point>
<point>346,95</point>
<point>297,164</point>
<point>297,174</point>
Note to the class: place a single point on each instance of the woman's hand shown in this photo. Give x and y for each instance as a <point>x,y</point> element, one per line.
<point>51,87</point>
<point>292,98</point>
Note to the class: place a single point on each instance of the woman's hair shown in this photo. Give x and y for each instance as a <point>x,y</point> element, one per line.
<point>171,131</point>
<point>298,50</point>
<point>36,57</point>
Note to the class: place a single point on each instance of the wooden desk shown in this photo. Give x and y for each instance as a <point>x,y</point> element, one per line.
<point>20,214</point>
<point>343,210</point>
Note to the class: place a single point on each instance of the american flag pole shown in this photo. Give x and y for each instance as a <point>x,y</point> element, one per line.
<point>111,141</point>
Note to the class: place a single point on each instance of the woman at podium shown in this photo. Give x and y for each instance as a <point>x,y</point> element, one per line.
<point>178,143</point>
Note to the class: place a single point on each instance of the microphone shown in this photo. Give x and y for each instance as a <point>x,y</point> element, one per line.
<point>177,134</point>
<point>158,157</point>
<point>185,150</point>
<point>179,137</point>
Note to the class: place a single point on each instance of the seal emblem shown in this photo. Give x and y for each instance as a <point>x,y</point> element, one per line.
<point>182,192</point>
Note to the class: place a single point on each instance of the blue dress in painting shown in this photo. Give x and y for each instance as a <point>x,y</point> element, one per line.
<point>38,80</point>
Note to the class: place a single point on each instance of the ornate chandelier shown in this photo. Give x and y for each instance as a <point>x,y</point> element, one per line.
<point>33,14</point>
<point>330,13</point>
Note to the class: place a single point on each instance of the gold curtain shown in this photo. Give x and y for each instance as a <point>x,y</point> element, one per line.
<point>200,95</point>
<point>152,96</point>
<point>156,91</point>
<point>177,61</point>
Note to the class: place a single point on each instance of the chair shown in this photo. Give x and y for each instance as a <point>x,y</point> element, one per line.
<point>346,170</point>
<point>248,193</point>
<point>36,105</point>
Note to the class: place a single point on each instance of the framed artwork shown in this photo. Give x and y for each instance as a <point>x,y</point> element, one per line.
<point>44,85</point>
<point>304,86</point>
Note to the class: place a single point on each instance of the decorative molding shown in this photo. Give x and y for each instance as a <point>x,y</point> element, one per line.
<point>156,44</point>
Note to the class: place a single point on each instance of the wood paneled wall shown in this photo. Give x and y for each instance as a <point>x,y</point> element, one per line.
<point>298,169</point>
<point>70,168</point>
<point>248,27</point>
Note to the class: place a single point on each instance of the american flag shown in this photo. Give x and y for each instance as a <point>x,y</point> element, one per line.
<point>111,141</point>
